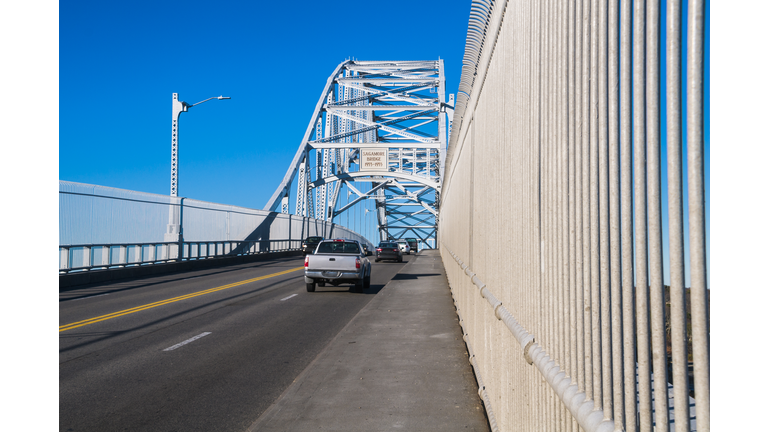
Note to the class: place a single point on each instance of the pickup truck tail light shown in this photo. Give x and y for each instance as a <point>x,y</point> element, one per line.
<point>306,261</point>
<point>357,262</point>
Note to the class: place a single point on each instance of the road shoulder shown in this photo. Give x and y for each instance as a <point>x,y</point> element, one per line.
<point>400,363</point>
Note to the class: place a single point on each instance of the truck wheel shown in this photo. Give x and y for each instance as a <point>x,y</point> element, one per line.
<point>311,287</point>
<point>367,282</point>
<point>400,259</point>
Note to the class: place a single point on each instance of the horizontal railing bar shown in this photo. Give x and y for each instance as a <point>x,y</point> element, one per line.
<point>592,420</point>
<point>171,242</point>
<point>186,252</point>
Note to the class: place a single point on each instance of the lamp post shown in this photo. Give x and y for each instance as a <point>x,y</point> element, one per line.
<point>173,233</point>
<point>178,108</point>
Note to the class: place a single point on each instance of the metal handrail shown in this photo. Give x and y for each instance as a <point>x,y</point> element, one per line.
<point>168,252</point>
<point>581,407</point>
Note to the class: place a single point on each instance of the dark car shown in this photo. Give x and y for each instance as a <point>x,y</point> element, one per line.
<point>309,244</point>
<point>414,244</point>
<point>389,251</point>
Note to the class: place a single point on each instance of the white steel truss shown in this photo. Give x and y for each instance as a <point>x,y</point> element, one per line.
<point>369,111</point>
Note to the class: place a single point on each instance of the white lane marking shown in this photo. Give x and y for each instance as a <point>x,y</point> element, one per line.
<point>83,298</point>
<point>180,344</point>
<point>290,296</point>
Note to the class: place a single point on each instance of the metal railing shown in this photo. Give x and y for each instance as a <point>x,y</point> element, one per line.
<point>111,256</point>
<point>102,228</point>
<point>574,242</point>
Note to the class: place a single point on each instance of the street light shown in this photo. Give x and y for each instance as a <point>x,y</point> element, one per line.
<point>174,233</point>
<point>178,108</point>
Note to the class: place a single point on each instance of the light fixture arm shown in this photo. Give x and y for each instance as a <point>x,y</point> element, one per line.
<point>215,97</point>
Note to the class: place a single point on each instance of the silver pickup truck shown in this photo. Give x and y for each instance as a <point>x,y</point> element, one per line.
<point>337,262</point>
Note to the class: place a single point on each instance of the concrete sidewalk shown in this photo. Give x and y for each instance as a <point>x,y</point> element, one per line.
<point>400,364</point>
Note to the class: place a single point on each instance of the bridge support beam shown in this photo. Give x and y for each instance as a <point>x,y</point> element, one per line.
<point>393,109</point>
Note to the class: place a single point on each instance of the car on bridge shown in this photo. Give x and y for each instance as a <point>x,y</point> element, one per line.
<point>388,251</point>
<point>414,244</point>
<point>364,245</point>
<point>404,246</point>
<point>338,262</point>
<point>309,244</point>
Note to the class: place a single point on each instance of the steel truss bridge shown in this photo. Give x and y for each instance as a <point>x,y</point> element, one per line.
<point>377,132</point>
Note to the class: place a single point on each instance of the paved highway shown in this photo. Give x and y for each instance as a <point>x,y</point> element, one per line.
<point>201,351</point>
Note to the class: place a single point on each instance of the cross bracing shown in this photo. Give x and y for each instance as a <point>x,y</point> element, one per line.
<point>376,141</point>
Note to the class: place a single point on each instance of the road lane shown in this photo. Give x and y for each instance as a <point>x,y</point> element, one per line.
<point>117,374</point>
<point>141,308</point>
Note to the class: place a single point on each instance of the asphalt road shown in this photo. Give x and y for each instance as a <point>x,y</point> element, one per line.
<point>201,351</point>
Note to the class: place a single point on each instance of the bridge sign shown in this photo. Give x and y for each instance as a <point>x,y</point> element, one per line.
<point>373,159</point>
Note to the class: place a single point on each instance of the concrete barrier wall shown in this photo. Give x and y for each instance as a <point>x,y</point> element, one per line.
<point>551,226</point>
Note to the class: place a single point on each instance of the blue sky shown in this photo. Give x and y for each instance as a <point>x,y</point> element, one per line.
<point>120,64</point>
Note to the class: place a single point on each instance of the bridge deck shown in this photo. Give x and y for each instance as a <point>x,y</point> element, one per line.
<point>400,364</point>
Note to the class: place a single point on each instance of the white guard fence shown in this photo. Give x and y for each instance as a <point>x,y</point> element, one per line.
<point>105,228</point>
<point>574,244</point>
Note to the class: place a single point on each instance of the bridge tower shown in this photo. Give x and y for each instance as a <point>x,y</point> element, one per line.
<point>378,132</point>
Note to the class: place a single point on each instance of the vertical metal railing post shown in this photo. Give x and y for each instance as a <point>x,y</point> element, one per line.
<point>615,293</point>
<point>578,194</point>
<point>627,256</point>
<point>675,200</point>
<point>641,236</point>
<point>603,209</point>
<point>653,161</point>
<point>696,211</point>
<point>64,258</point>
<point>572,366</point>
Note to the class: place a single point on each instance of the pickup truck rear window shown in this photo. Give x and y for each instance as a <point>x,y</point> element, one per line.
<point>339,247</point>
<point>313,239</point>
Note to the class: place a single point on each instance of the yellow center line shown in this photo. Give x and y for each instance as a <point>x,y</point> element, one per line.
<point>167,301</point>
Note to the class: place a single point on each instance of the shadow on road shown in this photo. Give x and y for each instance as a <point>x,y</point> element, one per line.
<point>406,276</point>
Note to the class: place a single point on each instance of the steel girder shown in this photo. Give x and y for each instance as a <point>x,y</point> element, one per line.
<point>379,131</point>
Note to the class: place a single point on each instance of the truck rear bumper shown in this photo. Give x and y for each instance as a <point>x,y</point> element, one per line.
<point>314,276</point>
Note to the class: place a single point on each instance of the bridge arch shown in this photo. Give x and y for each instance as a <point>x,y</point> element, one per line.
<point>394,107</point>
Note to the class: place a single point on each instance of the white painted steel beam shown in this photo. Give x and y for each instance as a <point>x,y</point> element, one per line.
<point>354,145</point>
<point>396,106</point>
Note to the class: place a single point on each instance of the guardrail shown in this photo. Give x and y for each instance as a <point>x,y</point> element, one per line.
<point>577,211</point>
<point>103,228</point>
<point>590,417</point>
<point>88,257</point>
